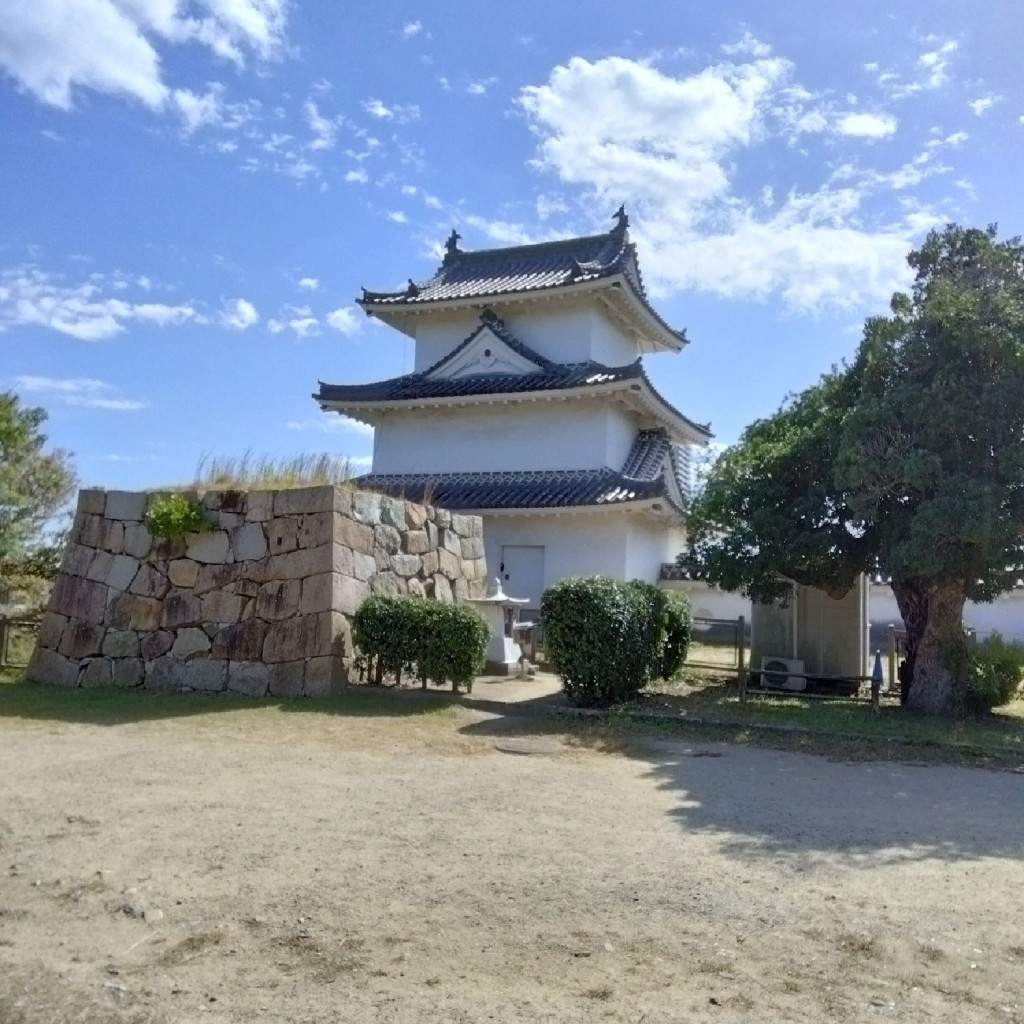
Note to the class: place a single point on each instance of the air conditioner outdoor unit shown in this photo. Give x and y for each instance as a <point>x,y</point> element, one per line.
<point>783,674</point>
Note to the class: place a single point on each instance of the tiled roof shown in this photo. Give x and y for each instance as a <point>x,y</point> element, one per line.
<point>418,386</point>
<point>488,273</point>
<point>646,458</point>
<point>542,489</point>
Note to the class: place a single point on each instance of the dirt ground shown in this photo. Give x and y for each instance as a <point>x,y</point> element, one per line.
<point>285,865</point>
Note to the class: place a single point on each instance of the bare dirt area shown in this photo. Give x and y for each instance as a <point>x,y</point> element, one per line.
<point>286,865</point>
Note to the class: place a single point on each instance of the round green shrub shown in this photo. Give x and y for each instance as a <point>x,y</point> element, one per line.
<point>383,629</point>
<point>678,621</point>
<point>996,670</point>
<point>455,644</point>
<point>604,637</point>
<point>171,515</point>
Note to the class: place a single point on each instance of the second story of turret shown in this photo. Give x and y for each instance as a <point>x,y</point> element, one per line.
<point>574,300</point>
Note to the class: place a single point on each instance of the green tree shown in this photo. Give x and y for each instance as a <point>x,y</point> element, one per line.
<point>910,461</point>
<point>34,486</point>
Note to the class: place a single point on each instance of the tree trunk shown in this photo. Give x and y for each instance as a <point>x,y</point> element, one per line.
<point>912,600</point>
<point>939,678</point>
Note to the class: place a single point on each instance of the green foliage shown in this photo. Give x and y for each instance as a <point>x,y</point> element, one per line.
<point>605,638</point>
<point>171,515</point>
<point>996,671</point>
<point>438,642</point>
<point>678,625</point>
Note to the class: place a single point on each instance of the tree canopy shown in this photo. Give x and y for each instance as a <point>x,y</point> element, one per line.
<point>909,461</point>
<point>34,486</point>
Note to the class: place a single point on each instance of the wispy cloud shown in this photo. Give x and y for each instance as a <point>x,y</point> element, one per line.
<point>748,46</point>
<point>309,284</point>
<point>332,423</point>
<point>396,112</point>
<point>346,320</point>
<point>480,86</point>
<point>983,104</point>
<point>78,391</point>
<point>412,28</point>
<point>238,315</point>
<point>867,126</point>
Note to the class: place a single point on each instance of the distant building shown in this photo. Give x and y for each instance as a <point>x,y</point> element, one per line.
<point>529,405</point>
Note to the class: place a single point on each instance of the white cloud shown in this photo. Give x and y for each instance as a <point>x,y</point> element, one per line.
<point>674,147</point>
<point>54,47</point>
<point>983,104</point>
<point>332,424</point>
<point>346,320</point>
<point>302,323</point>
<point>480,86</point>
<point>358,176</point>
<point>936,64</point>
<point>78,391</point>
<point>324,129</point>
<point>396,216</point>
<point>396,112</point>
<point>412,28</point>
<point>309,284</point>
<point>866,126</point>
<point>239,315</point>
<point>31,297</point>
<point>748,46</point>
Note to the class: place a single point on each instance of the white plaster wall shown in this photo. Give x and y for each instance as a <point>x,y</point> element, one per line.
<point>1004,615</point>
<point>438,333</point>
<point>579,434</point>
<point>648,545</point>
<point>709,602</point>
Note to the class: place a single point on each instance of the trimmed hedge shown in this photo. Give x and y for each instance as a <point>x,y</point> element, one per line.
<point>996,667</point>
<point>436,642</point>
<point>608,639</point>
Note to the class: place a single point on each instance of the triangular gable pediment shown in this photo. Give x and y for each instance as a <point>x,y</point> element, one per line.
<point>486,351</point>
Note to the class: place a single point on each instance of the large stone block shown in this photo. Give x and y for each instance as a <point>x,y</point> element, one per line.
<point>229,521</point>
<point>318,593</point>
<point>260,506</point>
<point>476,526</point>
<point>387,538</point>
<point>460,589</point>
<point>323,678</point>
<point>415,515</point>
<point>417,589</point>
<point>79,598</point>
<point>430,562</point>
<point>100,566</point>
<point>156,645</point>
<point>130,505</point>
<point>50,630</point>
<point>81,639</point>
<point>350,594</point>
<point>449,564</point>
<point>150,582</point>
<point>472,547</point>
<point>343,560</point>
<point>221,606</point>
<point>121,643</point>
<point>301,563</point>
<point>89,530</point>
<point>432,535</point>
<point>203,674</point>
<point>366,507</point>
<point>461,525</point>
<point>51,668</point>
<point>122,572</point>
<point>137,540</point>
<point>406,565</point>
<point>386,583</point>
<point>295,639</point>
<point>303,500</point>
<point>249,678</point>
<point>209,548</point>
<point>191,642</point>
<point>363,566</point>
<point>478,569</point>
<point>130,611</point>
<point>166,549</point>
<point>248,542</point>
<point>165,674</point>
<point>315,529</point>
<point>241,641</point>
<point>392,512</point>
<point>442,589</point>
<point>77,560</point>
<point>97,672</point>
<point>449,540</point>
<point>181,608</point>
<point>415,542</point>
<point>216,577</point>
<point>183,572</point>
<point>113,536</point>
<point>230,502</point>
<point>127,672</point>
<point>354,535</point>
<point>286,678</point>
<point>279,599</point>
<point>283,534</point>
<point>442,517</point>
<point>92,501</point>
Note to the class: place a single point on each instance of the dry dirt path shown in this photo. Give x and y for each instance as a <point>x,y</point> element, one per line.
<point>280,865</point>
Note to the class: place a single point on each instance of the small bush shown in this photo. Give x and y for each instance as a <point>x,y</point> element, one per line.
<point>171,515</point>
<point>678,619</point>
<point>438,642</point>
<point>996,669</point>
<point>605,638</point>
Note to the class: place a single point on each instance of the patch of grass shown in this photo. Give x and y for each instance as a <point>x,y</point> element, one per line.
<point>272,471</point>
<point>19,699</point>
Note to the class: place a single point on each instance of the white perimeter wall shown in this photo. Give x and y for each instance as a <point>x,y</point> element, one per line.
<point>563,331</point>
<point>1004,615</point>
<point>560,434</point>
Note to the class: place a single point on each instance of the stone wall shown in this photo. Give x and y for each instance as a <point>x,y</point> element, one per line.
<point>260,604</point>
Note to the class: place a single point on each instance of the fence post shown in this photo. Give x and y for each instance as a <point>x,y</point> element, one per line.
<point>891,645</point>
<point>741,652</point>
<point>5,639</point>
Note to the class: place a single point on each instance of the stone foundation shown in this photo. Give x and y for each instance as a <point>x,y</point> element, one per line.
<point>260,604</point>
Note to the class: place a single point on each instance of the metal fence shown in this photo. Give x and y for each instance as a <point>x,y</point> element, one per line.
<point>17,639</point>
<point>720,645</point>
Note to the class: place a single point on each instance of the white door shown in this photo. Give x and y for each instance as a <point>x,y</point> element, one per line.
<point>522,574</point>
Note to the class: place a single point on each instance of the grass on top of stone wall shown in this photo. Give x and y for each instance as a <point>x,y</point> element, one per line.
<point>272,472</point>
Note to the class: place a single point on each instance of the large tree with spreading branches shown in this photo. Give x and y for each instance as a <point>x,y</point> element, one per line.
<point>909,461</point>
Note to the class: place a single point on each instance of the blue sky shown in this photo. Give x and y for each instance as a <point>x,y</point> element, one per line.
<point>192,193</point>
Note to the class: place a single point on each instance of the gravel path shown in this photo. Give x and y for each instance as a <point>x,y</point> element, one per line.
<point>281,865</point>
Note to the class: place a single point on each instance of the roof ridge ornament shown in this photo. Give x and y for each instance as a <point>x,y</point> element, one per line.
<point>451,249</point>
<point>621,221</point>
<point>412,289</point>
